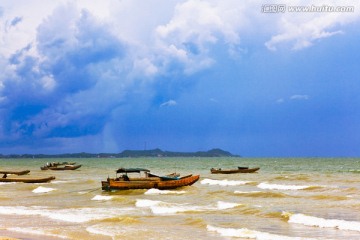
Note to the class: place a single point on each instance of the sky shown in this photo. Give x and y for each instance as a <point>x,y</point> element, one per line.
<point>110,75</point>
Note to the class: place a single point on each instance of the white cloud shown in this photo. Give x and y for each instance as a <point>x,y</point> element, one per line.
<point>145,67</point>
<point>169,103</point>
<point>23,32</point>
<point>299,97</point>
<point>195,26</point>
<point>303,29</point>
<point>83,59</point>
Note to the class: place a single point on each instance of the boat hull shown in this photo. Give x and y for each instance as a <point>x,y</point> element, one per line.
<point>231,171</point>
<point>158,183</point>
<point>27,180</point>
<point>61,168</point>
<point>15,172</point>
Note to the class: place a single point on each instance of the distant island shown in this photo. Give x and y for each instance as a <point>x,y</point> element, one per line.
<point>216,152</point>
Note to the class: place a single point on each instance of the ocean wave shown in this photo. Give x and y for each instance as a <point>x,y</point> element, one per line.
<point>227,205</point>
<point>330,197</point>
<point>199,222</point>
<point>6,183</point>
<point>265,185</point>
<point>261,194</point>
<point>224,182</point>
<point>165,208</point>
<point>124,220</point>
<point>322,222</point>
<point>101,198</point>
<point>60,181</point>
<point>293,177</point>
<point>103,230</point>
<point>247,233</point>
<point>116,232</point>
<point>159,207</point>
<point>154,191</point>
<point>36,231</point>
<point>75,215</point>
<point>43,190</point>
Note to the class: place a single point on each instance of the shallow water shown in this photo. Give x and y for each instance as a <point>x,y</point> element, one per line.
<point>287,199</point>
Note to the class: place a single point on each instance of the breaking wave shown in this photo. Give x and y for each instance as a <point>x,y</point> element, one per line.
<point>75,215</point>
<point>322,222</point>
<point>265,185</point>
<point>101,198</point>
<point>224,182</point>
<point>154,191</point>
<point>35,231</point>
<point>43,190</point>
<point>165,208</point>
<point>261,194</point>
<point>247,233</point>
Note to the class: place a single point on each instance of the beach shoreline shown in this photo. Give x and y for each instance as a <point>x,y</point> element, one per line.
<point>12,235</point>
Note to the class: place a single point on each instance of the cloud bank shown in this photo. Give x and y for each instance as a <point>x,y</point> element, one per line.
<point>74,70</point>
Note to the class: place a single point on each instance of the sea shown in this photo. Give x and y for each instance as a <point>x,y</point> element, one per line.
<point>288,198</point>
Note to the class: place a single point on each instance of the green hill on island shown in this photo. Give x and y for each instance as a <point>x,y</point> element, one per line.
<point>216,152</point>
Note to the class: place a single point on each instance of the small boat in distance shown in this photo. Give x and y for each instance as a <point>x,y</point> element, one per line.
<point>230,171</point>
<point>27,180</point>
<point>15,172</point>
<point>66,167</point>
<point>146,180</point>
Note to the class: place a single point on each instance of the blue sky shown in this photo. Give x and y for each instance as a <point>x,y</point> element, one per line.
<point>105,76</point>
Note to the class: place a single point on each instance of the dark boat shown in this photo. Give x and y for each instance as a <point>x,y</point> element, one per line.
<point>15,172</point>
<point>230,171</point>
<point>174,174</point>
<point>28,180</point>
<point>66,167</point>
<point>49,165</point>
<point>124,182</point>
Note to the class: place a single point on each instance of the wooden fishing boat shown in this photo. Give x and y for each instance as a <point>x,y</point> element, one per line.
<point>66,167</point>
<point>28,180</point>
<point>124,182</point>
<point>56,164</point>
<point>230,171</point>
<point>15,172</point>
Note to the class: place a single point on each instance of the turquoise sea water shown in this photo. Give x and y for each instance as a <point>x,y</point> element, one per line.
<point>299,198</point>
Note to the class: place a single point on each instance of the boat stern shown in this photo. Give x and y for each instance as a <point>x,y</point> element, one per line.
<point>105,185</point>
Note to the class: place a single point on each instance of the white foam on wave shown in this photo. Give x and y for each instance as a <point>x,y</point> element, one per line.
<point>75,215</point>
<point>265,185</point>
<point>224,182</point>
<point>100,231</point>
<point>322,222</point>
<point>161,208</point>
<point>6,183</point>
<point>59,181</point>
<point>35,231</point>
<point>102,198</point>
<point>146,203</point>
<point>249,234</point>
<point>43,190</point>
<point>154,191</point>
<point>226,205</point>
<point>164,208</point>
<point>246,192</point>
<point>113,231</point>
